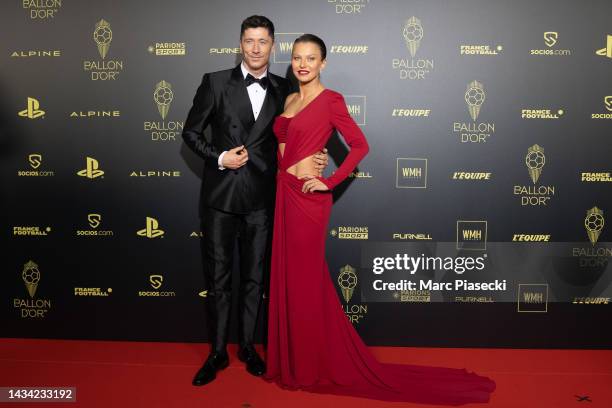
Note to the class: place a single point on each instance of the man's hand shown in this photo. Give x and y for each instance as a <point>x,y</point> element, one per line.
<point>321,160</point>
<point>235,158</point>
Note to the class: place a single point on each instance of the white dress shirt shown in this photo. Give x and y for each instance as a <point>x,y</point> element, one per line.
<point>257,95</point>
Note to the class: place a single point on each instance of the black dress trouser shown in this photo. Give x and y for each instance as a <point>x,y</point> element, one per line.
<point>220,230</point>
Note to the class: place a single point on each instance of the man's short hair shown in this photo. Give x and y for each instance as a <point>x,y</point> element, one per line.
<point>256,22</point>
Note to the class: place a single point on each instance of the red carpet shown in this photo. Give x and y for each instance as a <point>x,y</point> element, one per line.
<point>136,374</point>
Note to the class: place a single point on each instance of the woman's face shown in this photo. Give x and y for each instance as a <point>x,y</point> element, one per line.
<point>306,61</point>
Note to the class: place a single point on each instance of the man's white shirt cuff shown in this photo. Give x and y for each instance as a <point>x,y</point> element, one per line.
<point>220,160</point>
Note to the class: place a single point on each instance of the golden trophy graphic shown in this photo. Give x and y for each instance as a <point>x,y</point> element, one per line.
<point>31,277</point>
<point>474,97</point>
<point>413,34</point>
<point>594,223</point>
<point>347,281</point>
<point>103,36</point>
<point>535,161</point>
<point>163,96</point>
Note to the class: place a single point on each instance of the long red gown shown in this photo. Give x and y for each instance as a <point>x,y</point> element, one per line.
<point>311,343</point>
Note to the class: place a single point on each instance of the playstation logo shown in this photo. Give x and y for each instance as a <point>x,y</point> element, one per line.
<point>607,51</point>
<point>151,230</point>
<point>91,171</point>
<point>33,110</point>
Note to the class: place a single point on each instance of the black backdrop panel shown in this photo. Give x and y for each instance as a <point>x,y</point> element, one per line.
<point>489,124</point>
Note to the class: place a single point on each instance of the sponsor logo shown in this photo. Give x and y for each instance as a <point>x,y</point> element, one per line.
<point>151,230</point>
<point>411,173</point>
<point>32,111</point>
<point>346,232</point>
<point>347,280</point>
<point>607,50</point>
<point>42,9</point>
<point>532,298</point>
<point>92,292</point>
<point>348,6</point>
<point>91,170</point>
<point>550,40</point>
<point>31,231</point>
<point>480,50</point>
<point>167,49</point>
<point>412,68</point>
<point>472,235</point>
<point>33,307</point>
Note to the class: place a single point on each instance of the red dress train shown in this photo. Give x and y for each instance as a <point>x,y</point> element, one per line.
<point>311,343</point>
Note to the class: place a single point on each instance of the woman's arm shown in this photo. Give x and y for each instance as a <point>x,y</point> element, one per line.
<point>353,136</point>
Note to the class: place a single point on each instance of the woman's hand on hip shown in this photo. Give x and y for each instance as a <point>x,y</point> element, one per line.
<point>312,184</point>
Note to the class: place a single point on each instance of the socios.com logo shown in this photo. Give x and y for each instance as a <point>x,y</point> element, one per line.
<point>35,160</point>
<point>94,220</point>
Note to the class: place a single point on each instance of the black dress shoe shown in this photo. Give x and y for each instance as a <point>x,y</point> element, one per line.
<point>216,361</point>
<point>254,363</point>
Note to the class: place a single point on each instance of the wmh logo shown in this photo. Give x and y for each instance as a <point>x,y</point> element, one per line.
<point>356,106</point>
<point>472,235</point>
<point>284,44</point>
<point>411,173</point>
<point>532,298</point>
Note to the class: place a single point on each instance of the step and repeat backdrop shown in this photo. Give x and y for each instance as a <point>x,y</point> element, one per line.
<point>479,218</point>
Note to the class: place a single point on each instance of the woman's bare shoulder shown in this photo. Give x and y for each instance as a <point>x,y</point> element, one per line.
<point>290,98</point>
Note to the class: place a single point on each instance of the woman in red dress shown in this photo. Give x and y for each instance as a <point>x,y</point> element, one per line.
<point>311,343</point>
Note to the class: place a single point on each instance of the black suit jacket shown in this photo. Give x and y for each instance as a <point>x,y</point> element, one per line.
<point>223,103</point>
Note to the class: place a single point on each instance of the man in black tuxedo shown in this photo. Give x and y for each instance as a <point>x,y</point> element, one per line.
<point>238,188</point>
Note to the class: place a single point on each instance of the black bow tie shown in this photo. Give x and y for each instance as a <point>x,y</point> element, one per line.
<point>250,80</point>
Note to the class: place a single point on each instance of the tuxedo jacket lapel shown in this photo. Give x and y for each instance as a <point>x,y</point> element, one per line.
<point>238,98</point>
<point>268,110</point>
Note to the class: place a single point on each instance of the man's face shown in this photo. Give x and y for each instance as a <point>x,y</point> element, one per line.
<point>256,46</point>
